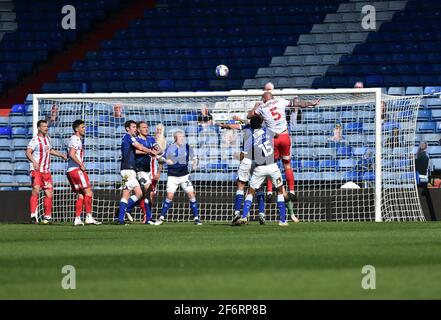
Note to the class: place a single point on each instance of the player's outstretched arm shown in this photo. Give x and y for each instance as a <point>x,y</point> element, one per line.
<point>234,126</point>
<point>58,154</point>
<point>305,104</point>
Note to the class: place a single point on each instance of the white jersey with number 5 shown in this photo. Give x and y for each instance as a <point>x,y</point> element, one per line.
<point>274,114</point>
<point>76,143</point>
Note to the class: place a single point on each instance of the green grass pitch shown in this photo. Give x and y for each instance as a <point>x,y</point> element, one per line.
<point>217,261</point>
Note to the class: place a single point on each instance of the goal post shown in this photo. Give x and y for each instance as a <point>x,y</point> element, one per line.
<point>352,155</point>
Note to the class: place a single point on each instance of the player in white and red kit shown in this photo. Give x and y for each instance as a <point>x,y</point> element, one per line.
<point>77,175</point>
<point>38,153</point>
<point>273,111</point>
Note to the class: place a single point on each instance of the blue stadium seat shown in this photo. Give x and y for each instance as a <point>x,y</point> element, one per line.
<point>20,144</point>
<point>5,144</point>
<point>326,165</point>
<point>406,115</point>
<point>355,140</point>
<point>6,168</point>
<point>396,91</point>
<point>366,116</point>
<point>426,127</point>
<point>348,116</point>
<point>299,128</point>
<point>433,103</point>
<point>431,90</point>
<point>19,155</point>
<point>438,126</point>
<point>304,153</point>
<point>368,127</point>
<point>359,151</point>
<point>7,178</point>
<point>25,179</point>
<point>4,121</point>
<point>346,164</point>
<point>436,114</point>
<point>20,132</point>
<point>310,165</point>
<point>354,127</point>
<point>414,91</point>
<point>436,164</point>
<point>21,168</point>
<point>434,151</point>
<point>389,126</point>
<point>318,141</point>
<point>318,128</point>
<point>18,109</point>
<point>330,117</point>
<point>431,139</point>
<point>352,176</point>
<point>19,121</point>
<point>6,156</point>
<point>58,167</point>
<point>424,115</point>
<point>301,141</point>
<point>324,153</point>
<point>368,176</point>
<point>344,152</point>
<point>5,132</point>
<point>29,110</point>
<point>311,117</point>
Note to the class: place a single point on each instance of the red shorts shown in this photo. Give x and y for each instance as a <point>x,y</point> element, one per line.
<point>78,180</point>
<point>282,147</point>
<point>44,180</point>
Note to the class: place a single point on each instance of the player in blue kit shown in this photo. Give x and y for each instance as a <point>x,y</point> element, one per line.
<point>143,170</point>
<point>243,176</point>
<point>178,156</point>
<point>130,183</point>
<point>259,149</point>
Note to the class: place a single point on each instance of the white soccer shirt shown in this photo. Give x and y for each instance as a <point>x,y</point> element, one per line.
<point>274,114</point>
<point>41,147</point>
<point>76,143</point>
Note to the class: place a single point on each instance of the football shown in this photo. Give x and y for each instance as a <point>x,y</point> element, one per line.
<point>222,71</point>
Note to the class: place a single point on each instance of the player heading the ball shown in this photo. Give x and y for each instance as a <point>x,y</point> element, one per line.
<point>273,111</point>
<point>77,175</point>
<point>178,156</point>
<point>38,153</point>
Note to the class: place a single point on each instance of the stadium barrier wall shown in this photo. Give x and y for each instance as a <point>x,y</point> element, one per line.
<point>16,204</point>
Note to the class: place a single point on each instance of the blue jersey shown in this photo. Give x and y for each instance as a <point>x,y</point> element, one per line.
<point>259,146</point>
<point>143,161</point>
<point>128,152</point>
<point>181,157</point>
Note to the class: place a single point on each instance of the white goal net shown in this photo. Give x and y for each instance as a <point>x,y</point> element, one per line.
<point>351,155</point>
